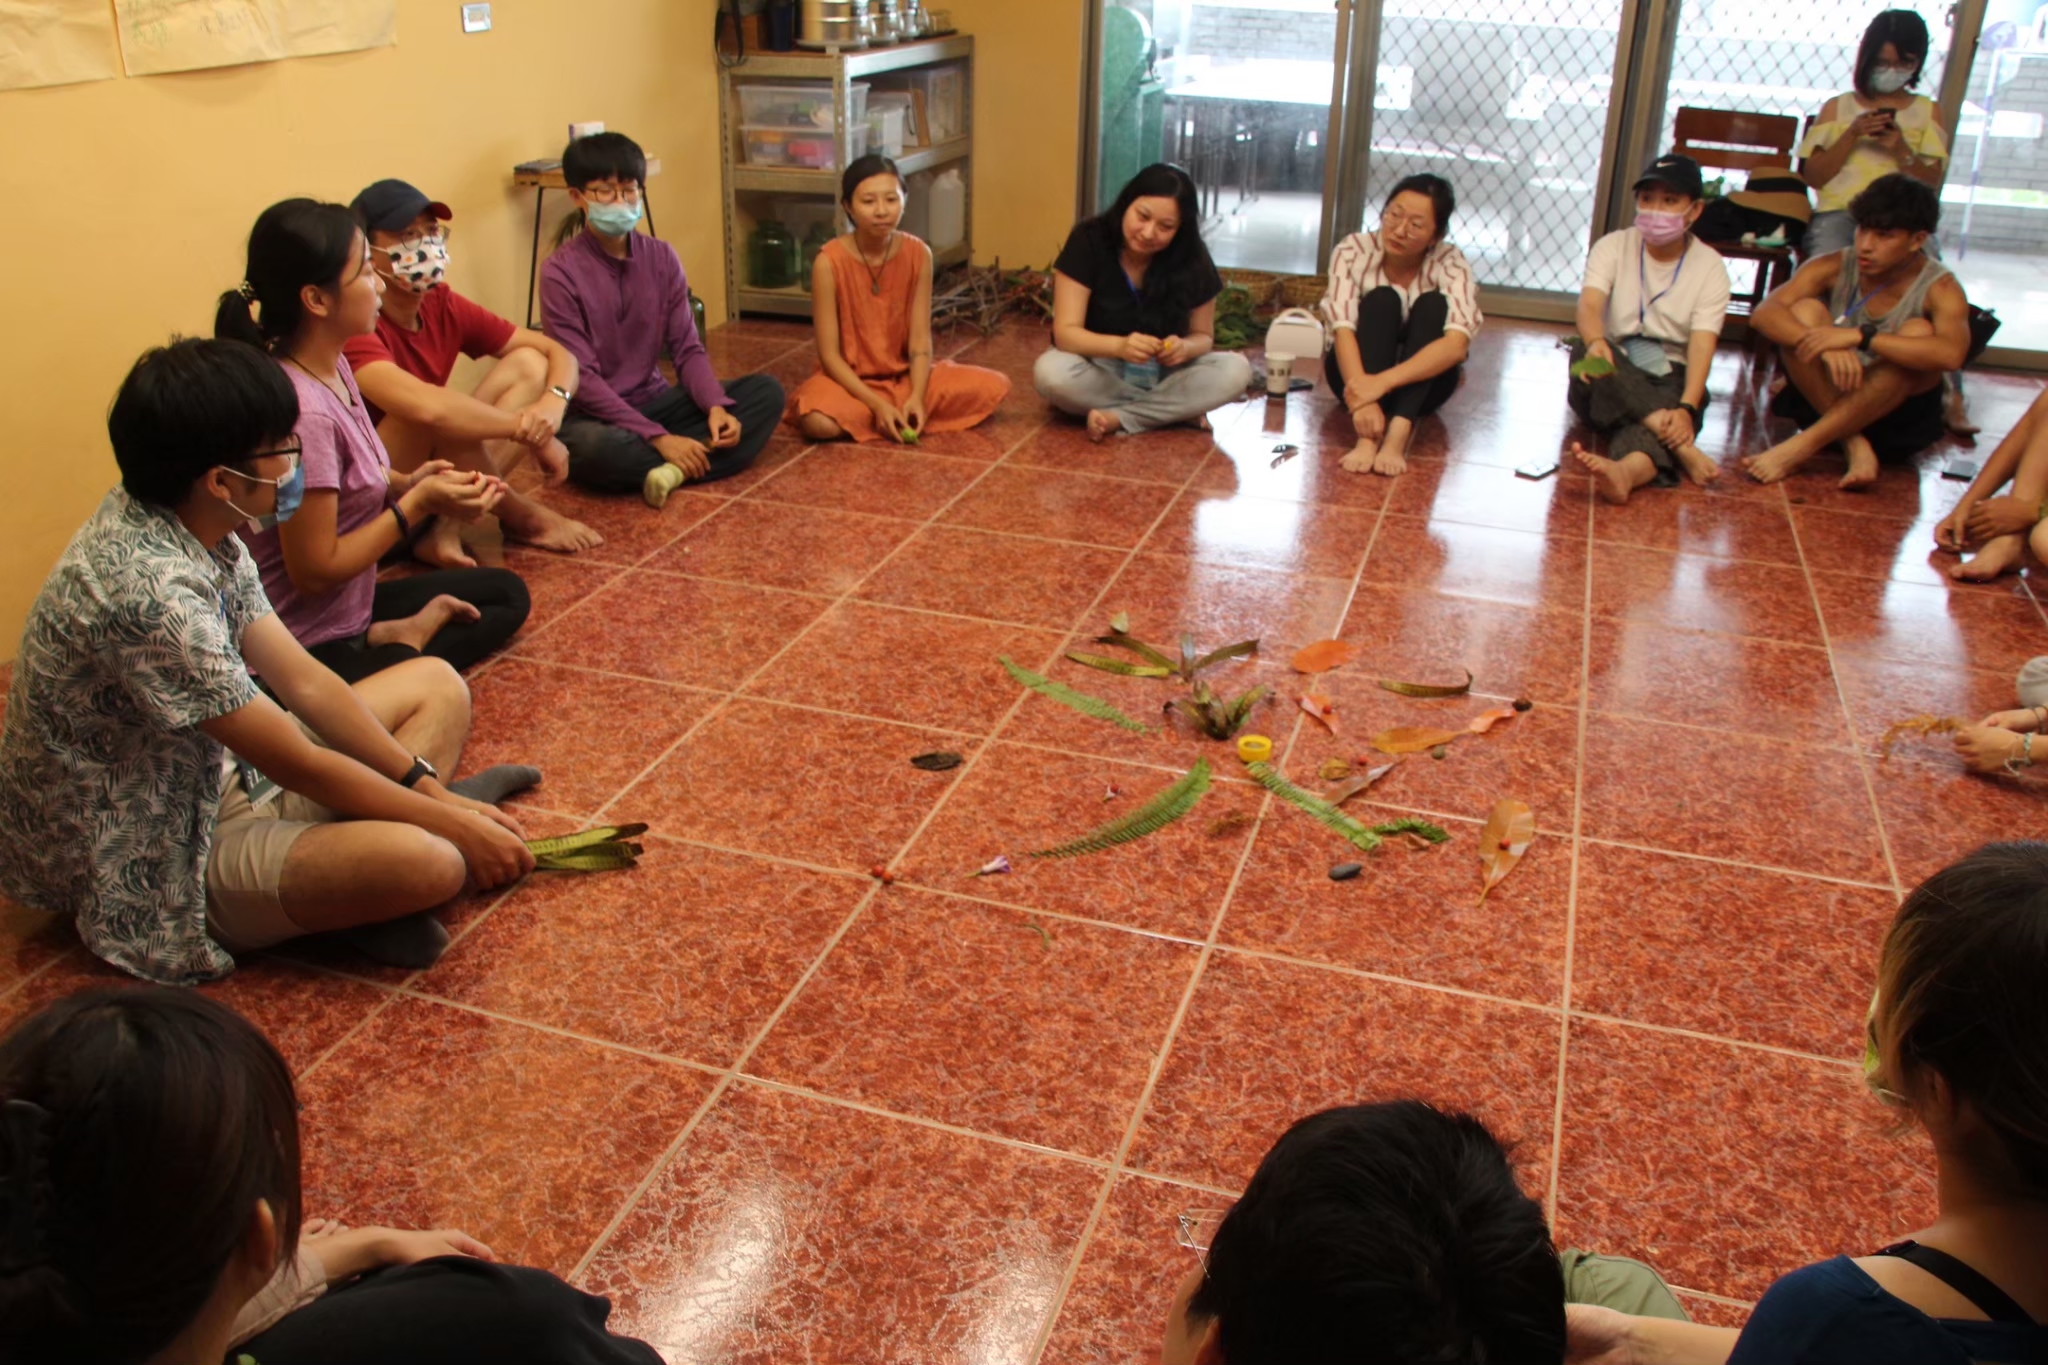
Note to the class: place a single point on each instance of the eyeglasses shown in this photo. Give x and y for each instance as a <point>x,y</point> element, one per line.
<point>293,452</point>
<point>1196,1230</point>
<point>601,193</point>
<point>432,235</point>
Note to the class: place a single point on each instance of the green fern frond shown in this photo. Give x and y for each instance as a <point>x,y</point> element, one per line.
<point>1122,667</point>
<point>1067,696</point>
<point>1361,836</point>
<point>569,843</point>
<point>1161,811</point>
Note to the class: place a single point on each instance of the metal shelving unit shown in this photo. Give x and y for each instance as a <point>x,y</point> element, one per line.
<point>841,69</point>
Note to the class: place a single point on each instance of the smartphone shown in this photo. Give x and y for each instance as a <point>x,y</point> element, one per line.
<point>1538,469</point>
<point>1960,467</point>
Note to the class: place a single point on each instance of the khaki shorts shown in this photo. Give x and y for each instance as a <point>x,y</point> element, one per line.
<point>246,866</point>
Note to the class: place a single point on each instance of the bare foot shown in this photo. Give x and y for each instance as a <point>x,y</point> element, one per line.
<point>1955,413</point>
<point>1774,464</point>
<point>546,529</point>
<point>1103,423</point>
<point>1200,422</point>
<point>1359,458</point>
<point>1610,481</point>
<point>1390,463</point>
<point>441,547</point>
<point>1699,466</point>
<point>1862,464</point>
<point>553,460</point>
<point>416,630</point>
<point>2000,555</point>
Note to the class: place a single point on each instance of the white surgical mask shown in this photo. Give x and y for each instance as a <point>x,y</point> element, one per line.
<point>1890,80</point>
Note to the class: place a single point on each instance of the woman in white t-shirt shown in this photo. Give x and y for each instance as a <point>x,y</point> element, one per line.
<point>1403,309</point>
<point>1652,306</point>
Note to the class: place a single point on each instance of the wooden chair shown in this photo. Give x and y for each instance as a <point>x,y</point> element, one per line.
<point>1734,140</point>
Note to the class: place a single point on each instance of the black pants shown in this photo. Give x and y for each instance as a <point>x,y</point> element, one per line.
<point>1896,436</point>
<point>448,1312</point>
<point>1385,340</point>
<point>609,459</point>
<point>1616,404</point>
<point>499,594</point>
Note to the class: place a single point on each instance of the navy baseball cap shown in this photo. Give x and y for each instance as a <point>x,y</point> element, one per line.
<point>1674,172</point>
<point>390,205</point>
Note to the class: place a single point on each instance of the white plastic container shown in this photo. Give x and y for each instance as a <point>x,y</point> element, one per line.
<point>917,206</point>
<point>885,131</point>
<point>805,147</point>
<point>769,105</point>
<point>948,210</point>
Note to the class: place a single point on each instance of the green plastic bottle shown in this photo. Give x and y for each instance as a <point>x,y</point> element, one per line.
<point>815,241</point>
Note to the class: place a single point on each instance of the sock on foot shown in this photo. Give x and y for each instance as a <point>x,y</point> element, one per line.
<point>493,785</point>
<point>414,942</point>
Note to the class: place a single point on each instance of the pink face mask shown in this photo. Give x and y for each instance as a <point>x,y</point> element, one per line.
<point>1660,229</point>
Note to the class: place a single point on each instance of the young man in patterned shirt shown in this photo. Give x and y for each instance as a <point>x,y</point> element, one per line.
<point>151,791</point>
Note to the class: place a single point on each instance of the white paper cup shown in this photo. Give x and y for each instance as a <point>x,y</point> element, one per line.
<point>1279,373</point>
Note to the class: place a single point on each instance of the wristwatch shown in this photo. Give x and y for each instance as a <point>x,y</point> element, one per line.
<point>1869,333</point>
<point>420,768</point>
<point>1690,411</point>
<point>558,391</point>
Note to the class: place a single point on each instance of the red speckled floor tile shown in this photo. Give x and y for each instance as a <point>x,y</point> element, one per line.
<point>1266,1042</point>
<point>788,1229</point>
<point>436,1117</point>
<point>985,1018</point>
<point>1797,1156</point>
<point>784,1111</point>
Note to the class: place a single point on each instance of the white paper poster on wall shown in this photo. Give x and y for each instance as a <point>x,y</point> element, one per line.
<point>55,42</point>
<point>188,35</point>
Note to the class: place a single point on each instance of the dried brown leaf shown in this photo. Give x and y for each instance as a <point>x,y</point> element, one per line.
<point>1409,689</point>
<point>1510,829</point>
<point>1321,708</point>
<point>1411,739</point>
<point>1323,655</point>
<point>1917,725</point>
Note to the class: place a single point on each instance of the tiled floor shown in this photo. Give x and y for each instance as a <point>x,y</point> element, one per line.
<point>781,1112</point>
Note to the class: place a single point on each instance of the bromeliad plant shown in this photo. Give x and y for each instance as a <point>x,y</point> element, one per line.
<point>1212,715</point>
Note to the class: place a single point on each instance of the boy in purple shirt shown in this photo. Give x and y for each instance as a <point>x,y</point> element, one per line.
<point>617,299</point>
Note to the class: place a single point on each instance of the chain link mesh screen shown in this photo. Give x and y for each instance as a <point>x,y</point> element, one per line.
<point>1508,101</point>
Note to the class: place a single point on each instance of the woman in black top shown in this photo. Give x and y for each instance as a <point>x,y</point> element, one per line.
<point>149,1211</point>
<point>1134,315</point>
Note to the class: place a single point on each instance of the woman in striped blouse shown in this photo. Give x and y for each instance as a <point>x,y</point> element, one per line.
<point>1403,309</point>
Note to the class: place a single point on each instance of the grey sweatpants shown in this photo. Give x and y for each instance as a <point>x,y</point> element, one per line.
<point>1616,404</point>
<point>1078,385</point>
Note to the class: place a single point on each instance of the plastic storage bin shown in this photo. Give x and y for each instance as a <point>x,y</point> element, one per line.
<point>807,147</point>
<point>794,106</point>
<point>885,131</point>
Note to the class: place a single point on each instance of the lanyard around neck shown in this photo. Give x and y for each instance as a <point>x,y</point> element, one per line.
<point>1645,300</point>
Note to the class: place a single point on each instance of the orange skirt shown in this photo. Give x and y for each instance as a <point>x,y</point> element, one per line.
<point>956,397</point>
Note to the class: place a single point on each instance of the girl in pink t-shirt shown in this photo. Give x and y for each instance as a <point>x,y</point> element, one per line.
<point>308,290</point>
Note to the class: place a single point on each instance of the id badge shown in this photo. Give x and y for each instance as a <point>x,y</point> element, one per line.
<point>262,791</point>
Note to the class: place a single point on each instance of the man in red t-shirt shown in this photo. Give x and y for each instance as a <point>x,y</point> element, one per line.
<point>403,371</point>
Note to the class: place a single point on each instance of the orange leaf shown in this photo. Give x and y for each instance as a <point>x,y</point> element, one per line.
<point>1319,706</point>
<point>1486,720</point>
<point>1324,655</point>
<point>1509,831</point>
<point>1410,739</point>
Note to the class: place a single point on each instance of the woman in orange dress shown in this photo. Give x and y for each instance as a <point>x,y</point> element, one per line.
<point>871,305</point>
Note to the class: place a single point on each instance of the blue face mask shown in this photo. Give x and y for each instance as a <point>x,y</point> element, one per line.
<point>291,491</point>
<point>613,220</point>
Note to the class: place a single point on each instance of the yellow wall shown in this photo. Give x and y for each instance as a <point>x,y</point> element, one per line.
<point>132,198</point>
<point>1027,124</point>
<point>130,201</point>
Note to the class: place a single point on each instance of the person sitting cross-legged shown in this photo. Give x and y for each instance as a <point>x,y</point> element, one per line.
<point>618,300</point>
<point>1865,335</point>
<point>403,369</point>
<point>1651,308</point>
<point>150,792</point>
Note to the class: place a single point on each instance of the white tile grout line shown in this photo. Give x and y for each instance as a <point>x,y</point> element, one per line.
<point>1863,760</point>
<point>1209,948</point>
<point>1571,900</point>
